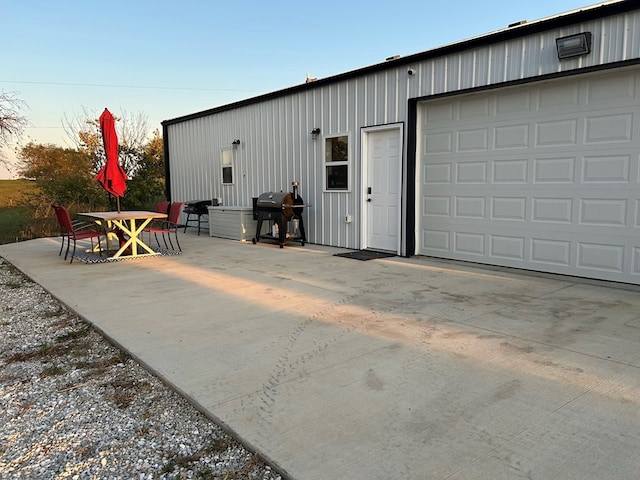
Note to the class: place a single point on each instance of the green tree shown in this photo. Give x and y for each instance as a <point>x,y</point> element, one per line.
<point>64,176</point>
<point>67,175</point>
<point>141,158</point>
<point>146,187</point>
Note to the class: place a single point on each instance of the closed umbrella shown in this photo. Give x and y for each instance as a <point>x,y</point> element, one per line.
<point>111,176</point>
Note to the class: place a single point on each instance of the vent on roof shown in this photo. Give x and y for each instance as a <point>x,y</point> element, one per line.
<point>395,57</point>
<point>517,24</point>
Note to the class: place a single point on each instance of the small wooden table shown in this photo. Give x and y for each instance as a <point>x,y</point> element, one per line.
<point>132,223</point>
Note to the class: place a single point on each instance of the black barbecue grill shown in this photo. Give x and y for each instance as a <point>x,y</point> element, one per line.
<point>281,211</point>
<point>197,208</point>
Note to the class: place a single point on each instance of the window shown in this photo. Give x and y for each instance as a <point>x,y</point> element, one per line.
<point>337,163</point>
<point>227,166</point>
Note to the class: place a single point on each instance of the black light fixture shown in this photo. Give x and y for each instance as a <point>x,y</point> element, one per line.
<point>315,132</point>
<point>235,144</point>
<point>573,45</point>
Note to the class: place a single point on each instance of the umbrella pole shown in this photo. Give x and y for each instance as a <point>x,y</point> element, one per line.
<point>118,203</point>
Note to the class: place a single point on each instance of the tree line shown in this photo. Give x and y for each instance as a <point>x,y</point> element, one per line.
<point>66,175</point>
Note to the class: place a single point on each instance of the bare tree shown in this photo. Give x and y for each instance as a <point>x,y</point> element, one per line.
<point>133,128</point>
<point>73,125</point>
<point>83,132</point>
<point>12,123</point>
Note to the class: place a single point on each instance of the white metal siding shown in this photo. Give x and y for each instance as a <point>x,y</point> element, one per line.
<point>542,177</point>
<point>276,146</point>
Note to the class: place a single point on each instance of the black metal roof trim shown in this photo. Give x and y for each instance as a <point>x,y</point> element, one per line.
<point>524,81</point>
<point>537,26</point>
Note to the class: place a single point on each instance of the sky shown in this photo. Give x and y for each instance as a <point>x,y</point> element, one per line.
<point>164,59</point>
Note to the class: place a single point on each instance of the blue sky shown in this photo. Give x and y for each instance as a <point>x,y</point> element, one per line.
<point>167,59</point>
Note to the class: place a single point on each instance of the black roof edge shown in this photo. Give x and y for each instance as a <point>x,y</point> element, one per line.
<point>561,20</point>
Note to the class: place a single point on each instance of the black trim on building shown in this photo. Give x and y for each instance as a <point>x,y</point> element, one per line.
<point>167,167</point>
<point>539,78</point>
<point>410,220</point>
<point>518,31</point>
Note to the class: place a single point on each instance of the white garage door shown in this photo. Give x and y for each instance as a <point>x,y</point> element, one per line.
<point>542,177</point>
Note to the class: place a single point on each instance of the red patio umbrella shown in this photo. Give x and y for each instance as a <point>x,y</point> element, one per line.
<point>111,176</point>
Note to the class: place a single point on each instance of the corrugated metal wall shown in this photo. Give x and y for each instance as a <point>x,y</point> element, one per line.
<point>276,146</point>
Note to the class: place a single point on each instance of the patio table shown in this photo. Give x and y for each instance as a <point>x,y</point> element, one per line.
<point>132,223</point>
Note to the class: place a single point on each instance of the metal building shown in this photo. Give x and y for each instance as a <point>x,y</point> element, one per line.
<point>518,148</point>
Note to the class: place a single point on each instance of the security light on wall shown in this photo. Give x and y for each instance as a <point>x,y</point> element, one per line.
<point>315,132</point>
<point>573,45</point>
<point>235,144</point>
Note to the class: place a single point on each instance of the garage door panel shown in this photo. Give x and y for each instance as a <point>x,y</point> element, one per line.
<point>600,257</point>
<point>606,169</point>
<point>557,132</point>
<point>550,252</point>
<point>473,140</point>
<point>554,170</point>
<point>510,171</point>
<point>611,90</point>
<point>507,247</point>
<point>509,208</point>
<point>469,243</point>
<point>470,207</point>
<point>437,173</point>
<point>472,108</point>
<point>603,212</point>
<point>513,101</point>
<point>608,128</point>
<point>441,142</point>
<point>558,96</point>
<point>511,136</point>
<point>437,242</point>
<point>436,205</point>
<point>635,262</point>
<point>471,172</point>
<point>552,210</point>
<point>542,177</point>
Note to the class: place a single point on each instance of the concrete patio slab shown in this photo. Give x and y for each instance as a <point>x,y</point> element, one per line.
<point>397,368</point>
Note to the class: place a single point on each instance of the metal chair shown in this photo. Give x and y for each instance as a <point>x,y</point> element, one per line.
<point>74,230</point>
<point>168,226</point>
<point>163,206</point>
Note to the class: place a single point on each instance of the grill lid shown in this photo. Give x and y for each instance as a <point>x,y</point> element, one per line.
<point>274,200</point>
<point>197,206</point>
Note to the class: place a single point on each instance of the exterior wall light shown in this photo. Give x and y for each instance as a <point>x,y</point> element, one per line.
<point>315,132</point>
<point>573,45</point>
<point>235,144</point>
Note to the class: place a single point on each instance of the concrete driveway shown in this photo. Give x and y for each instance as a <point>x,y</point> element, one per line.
<point>333,368</point>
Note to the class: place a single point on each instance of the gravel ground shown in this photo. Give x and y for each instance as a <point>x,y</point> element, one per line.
<point>74,406</point>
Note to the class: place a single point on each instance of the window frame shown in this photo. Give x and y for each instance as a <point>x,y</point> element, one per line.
<point>231,156</point>
<point>336,163</point>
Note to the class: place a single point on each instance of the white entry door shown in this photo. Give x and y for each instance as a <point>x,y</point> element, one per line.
<point>382,188</point>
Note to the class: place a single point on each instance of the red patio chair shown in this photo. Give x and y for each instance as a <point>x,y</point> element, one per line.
<point>168,226</point>
<point>163,206</point>
<point>74,230</point>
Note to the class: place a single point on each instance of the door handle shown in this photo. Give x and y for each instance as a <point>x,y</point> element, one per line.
<point>368,199</point>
